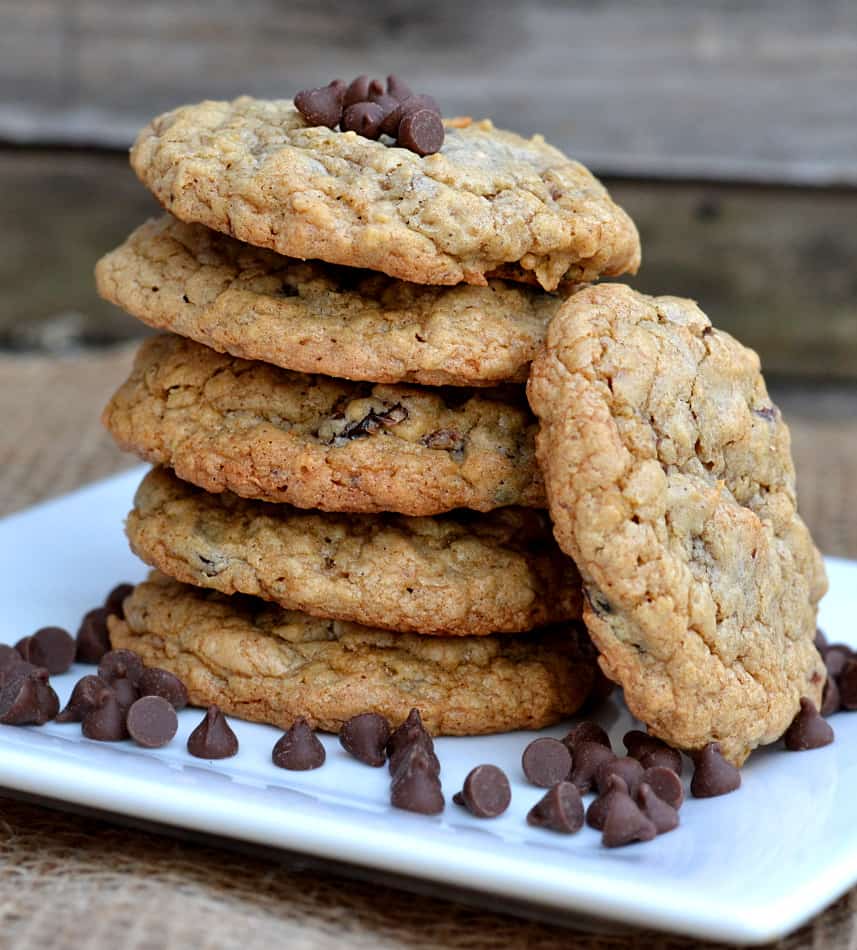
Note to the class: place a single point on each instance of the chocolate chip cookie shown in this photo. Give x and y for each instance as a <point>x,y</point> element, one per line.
<point>260,662</point>
<point>320,318</point>
<point>458,574</point>
<point>258,171</point>
<point>671,484</point>
<point>316,442</point>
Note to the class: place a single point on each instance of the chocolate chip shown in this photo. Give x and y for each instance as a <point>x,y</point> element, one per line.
<point>389,108</point>
<point>373,422</point>
<point>820,641</point>
<point>588,758</point>
<point>126,692</point>
<point>121,664</point>
<point>357,91</point>
<point>587,731</point>
<point>85,697</point>
<point>830,699</point>
<point>322,106</point>
<point>421,132</point>
<point>364,118</point>
<point>9,657</point>
<point>808,730</point>
<point>423,742</point>
<point>659,812</point>
<point>157,682</point>
<point>298,749</point>
<point>625,823</point>
<point>22,668</point>
<point>106,723</point>
<point>847,683</point>
<point>398,88</point>
<point>665,783</point>
<point>416,786</point>
<point>836,657</point>
<point>640,743</point>
<point>666,758</point>
<point>628,769</point>
<point>416,104</point>
<point>115,602</point>
<point>410,731</point>
<point>93,639</point>
<point>27,698</point>
<point>712,774</point>
<point>545,762</point>
<point>486,792</point>
<point>365,736</point>
<point>53,648</point>
<point>559,810</point>
<point>448,440</point>
<point>596,814</point>
<point>24,649</point>
<point>152,722</point>
<point>213,738</point>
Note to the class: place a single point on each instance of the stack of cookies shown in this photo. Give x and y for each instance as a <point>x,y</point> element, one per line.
<point>355,507</point>
<point>346,513</point>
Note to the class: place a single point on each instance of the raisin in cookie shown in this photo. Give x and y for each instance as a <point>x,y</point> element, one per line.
<point>260,662</point>
<point>255,170</point>
<point>671,484</point>
<point>319,318</point>
<point>317,442</point>
<point>465,573</point>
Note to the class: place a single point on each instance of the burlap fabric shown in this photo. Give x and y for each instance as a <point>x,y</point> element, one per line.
<point>67,881</point>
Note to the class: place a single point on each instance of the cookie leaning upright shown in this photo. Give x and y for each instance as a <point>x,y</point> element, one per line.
<point>670,483</point>
<point>488,201</point>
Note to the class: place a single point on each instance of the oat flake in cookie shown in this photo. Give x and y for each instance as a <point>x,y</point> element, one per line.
<point>488,200</point>
<point>671,485</point>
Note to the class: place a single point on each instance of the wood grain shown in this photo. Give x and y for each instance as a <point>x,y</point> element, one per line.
<point>763,91</point>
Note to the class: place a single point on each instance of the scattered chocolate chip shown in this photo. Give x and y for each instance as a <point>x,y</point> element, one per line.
<point>712,774</point>
<point>322,106</point>
<point>546,761</point>
<point>398,88</point>
<point>93,639</point>
<point>120,664</point>
<point>389,107</point>
<point>53,648</point>
<point>213,738</point>
<point>9,657</point>
<point>847,683</point>
<point>126,692</point>
<point>85,697</point>
<point>666,758</point>
<point>417,103</point>
<point>836,657</point>
<point>665,783</point>
<point>22,668</point>
<point>808,730</point>
<point>299,748</point>
<point>588,758</point>
<point>596,814</point>
<point>659,812</point>
<point>416,785</point>
<point>820,641</point>
<point>625,823</point>
<point>106,723</point>
<point>366,736</point>
<point>587,731</point>
<point>410,731</point>
<point>639,743</point>
<point>152,722</point>
<point>24,649</point>
<point>373,422</point>
<point>157,682</point>
<point>424,743</point>
<point>628,769</point>
<point>364,118</point>
<point>830,699</point>
<point>421,132</point>
<point>486,792</point>
<point>115,602</point>
<point>357,91</point>
<point>559,810</point>
<point>27,698</point>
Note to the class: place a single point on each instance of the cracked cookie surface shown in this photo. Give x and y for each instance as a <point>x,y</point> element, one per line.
<point>260,662</point>
<point>460,574</point>
<point>316,442</point>
<point>671,484</point>
<point>319,318</point>
<point>488,200</point>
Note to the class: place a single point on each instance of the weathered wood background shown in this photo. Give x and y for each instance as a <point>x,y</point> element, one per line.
<point>728,129</point>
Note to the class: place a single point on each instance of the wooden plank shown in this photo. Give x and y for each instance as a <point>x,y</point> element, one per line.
<point>764,91</point>
<point>773,266</point>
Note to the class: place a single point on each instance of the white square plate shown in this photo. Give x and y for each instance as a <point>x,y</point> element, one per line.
<point>747,867</point>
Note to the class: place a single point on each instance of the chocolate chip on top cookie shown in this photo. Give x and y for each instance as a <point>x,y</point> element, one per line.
<point>488,201</point>
<point>318,442</point>
<point>671,485</point>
